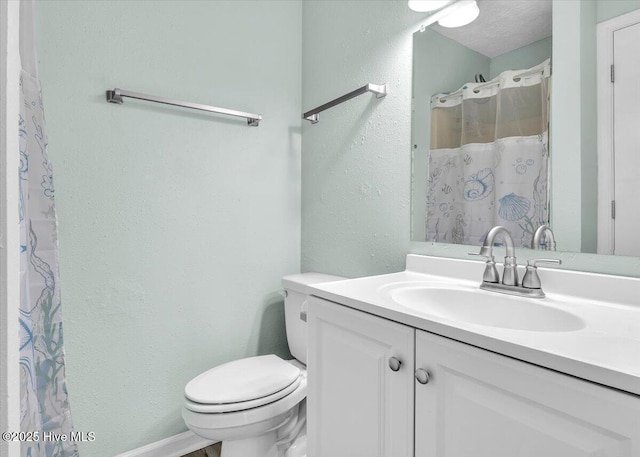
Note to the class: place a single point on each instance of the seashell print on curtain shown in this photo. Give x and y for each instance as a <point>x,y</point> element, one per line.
<point>44,405</point>
<point>489,159</point>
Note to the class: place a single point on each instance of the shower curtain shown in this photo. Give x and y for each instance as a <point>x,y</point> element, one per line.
<point>488,158</point>
<point>44,406</point>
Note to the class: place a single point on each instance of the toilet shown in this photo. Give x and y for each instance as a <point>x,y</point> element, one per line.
<point>256,406</point>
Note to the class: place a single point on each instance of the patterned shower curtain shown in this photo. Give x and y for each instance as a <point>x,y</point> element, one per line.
<point>489,158</point>
<point>44,405</point>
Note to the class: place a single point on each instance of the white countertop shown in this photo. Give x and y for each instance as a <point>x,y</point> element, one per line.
<point>605,351</point>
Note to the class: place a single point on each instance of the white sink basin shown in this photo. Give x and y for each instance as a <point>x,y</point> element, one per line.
<point>487,308</point>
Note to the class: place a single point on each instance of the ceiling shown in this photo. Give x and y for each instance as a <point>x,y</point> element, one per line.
<point>502,26</point>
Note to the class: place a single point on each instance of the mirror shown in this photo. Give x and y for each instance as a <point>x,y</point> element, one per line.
<point>508,38</point>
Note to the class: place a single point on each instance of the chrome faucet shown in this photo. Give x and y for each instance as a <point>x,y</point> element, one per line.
<point>550,241</point>
<point>510,272</point>
<point>530,286</point>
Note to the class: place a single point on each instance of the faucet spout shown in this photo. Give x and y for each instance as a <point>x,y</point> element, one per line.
<point>510,273</point>
<point>508,241</point>
<point>550,241</point>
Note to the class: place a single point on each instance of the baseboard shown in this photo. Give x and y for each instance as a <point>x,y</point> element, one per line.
<point>174,446</point>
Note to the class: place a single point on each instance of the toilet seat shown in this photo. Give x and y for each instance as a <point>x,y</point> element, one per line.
<point>218,424</point>
<point>242,384</point>
<point>243,405</point>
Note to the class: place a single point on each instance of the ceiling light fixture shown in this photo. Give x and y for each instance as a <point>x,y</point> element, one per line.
<point>462,16</point>
<point>422,6</point>
<point>457,14</point>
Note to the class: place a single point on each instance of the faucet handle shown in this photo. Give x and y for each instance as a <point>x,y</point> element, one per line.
<point>482,253</point>
<point>490,270</point>
<point>531,280</point>
<point>533,262</point>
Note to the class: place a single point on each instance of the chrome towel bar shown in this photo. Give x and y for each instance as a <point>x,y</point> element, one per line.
<point>379,89</point>
<point>116,96</point>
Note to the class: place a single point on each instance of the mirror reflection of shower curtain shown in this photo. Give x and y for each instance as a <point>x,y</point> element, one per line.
<point>44,405</point>
<point>489,159</point>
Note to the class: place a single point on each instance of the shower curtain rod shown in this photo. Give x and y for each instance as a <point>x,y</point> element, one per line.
<point>516,78</point>
<point>116,95</point>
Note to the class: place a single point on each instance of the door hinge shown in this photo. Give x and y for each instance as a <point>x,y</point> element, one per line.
<point>613,73</point>
<point>613,209</point>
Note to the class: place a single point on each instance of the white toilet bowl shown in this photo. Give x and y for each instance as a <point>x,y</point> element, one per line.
<point>256,406</point>
<point>245,429</point>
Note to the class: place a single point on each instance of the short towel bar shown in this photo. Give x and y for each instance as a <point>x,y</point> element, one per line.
<point>379,89</point>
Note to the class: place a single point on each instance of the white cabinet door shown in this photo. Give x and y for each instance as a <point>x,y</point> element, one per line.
<point>480,404</point>
<point>358,406</point>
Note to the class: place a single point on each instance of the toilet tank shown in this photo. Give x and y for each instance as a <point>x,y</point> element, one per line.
<point>296,289</point>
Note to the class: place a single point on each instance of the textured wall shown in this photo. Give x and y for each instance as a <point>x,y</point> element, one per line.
<point>356,161</point>
<point>175,226</point>
<point>524,57</point>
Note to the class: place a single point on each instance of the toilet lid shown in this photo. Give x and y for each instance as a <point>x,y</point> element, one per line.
<point>242,380</point>
<point>243,405</point>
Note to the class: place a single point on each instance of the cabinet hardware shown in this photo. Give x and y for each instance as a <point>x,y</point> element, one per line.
<point>422,376</point>
<point>394,363</point>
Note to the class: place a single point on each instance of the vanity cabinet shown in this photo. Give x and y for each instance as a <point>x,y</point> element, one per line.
<point>357,405</point>
<point>473,402</point>
<point>478,403</point>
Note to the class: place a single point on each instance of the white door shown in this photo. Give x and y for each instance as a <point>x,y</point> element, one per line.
<point>626,138</point>
<point>480,404</point>
<point>357,405</point>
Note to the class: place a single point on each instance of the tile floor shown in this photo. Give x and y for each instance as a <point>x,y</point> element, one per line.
<point>209,451</point>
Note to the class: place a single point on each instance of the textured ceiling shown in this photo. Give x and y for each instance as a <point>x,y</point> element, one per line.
<point>503,25</point>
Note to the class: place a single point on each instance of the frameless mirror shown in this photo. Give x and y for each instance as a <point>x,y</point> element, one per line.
<point>480,129</point>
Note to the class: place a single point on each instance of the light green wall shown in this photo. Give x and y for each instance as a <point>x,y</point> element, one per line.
<point>356,161</point>
<point>565,107</point>
<point>608,9</point>
<point>588,126</point>
<point>457,65</point>
<point>573,117</point>
<point>525,57</point>
<point>175,226</point>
